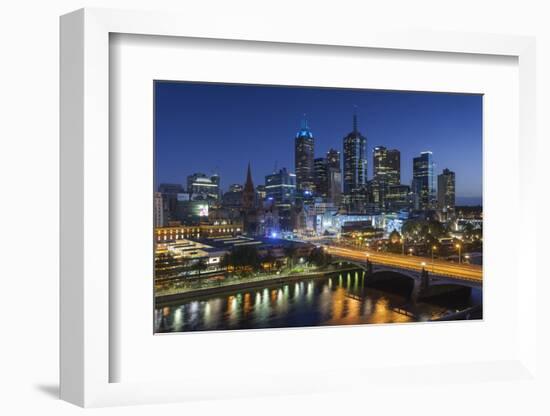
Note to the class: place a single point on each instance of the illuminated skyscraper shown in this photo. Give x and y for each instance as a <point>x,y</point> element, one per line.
<point>355,161</point>
<point>159,210</point>
<point>423,181</point>
<point>446,191</point>
<point>355,170</point>
<point>334,177</point>
<point>321,176</point>
<point>386,165</point>
<point>236,187</point>
<point>201,186</point>
<point>280,187</point>
<point>303,157</point>
<point>333,159</point>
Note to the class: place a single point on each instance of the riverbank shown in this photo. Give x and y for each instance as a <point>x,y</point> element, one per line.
<point>229,285</point>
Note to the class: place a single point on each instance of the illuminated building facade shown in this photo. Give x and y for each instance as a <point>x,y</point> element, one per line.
<point>280,187</point>
<point>261,192</point>
<point>355,170</point>
<point>386,164</point>
<point>303,157</point>
<point>159,210</point>
<point>236,187</point>
<point>321,177</point>
<point>446,191</point>
<point>203,187</point>
<point>280,191</point>
<point>203,230</point>
<point>334,177</point>
<point>398,198</point>
<point>423,181</point>
<point>191,212</point>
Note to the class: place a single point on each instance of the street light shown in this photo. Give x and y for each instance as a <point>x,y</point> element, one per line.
<point>433,249</point>
<point>411,251</point>
<point>459,247</point>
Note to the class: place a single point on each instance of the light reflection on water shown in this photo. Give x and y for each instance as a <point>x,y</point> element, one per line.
<point>336,300</point>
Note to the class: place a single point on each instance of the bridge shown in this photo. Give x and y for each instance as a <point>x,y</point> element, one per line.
<point>412,266</point>
<point>426,278</point>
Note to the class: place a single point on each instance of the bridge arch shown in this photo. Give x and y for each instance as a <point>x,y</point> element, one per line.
<point>392,281</point>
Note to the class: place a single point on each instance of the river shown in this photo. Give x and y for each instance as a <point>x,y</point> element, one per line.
<point>338,299</point>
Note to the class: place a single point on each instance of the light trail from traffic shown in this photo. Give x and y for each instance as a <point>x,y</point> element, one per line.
<point>437,267</point>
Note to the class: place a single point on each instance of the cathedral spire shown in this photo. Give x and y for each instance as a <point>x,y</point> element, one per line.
<point>249,194</point>
<point>249,185</point>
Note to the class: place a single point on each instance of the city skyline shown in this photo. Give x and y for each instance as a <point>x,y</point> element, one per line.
<point>185,111</point>
<point>345,207</point>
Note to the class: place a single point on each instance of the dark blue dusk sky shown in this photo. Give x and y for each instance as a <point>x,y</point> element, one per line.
<point>220,128</point>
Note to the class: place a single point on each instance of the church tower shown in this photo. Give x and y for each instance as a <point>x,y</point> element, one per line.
<point>249,206</point>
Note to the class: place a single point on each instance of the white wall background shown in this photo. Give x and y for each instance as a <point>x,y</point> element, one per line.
<point>29,207</point>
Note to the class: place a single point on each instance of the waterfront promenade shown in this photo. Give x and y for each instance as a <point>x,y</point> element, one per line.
<point>199,288</point>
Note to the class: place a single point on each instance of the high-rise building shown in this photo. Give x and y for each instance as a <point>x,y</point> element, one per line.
<point>170,193</point>
<point>386,165</point>
<point>376,196</point>
<point>446,191</point>
<point>321,176</point>
<point>191,212</point>
<point>201,186</point>
<point>355,160</point>
<point>423,181</point>
<point>334,190</point>
<point>355,170</point>
<point>260,191</point>
<point>280,187</point>
<point>159,210</point>
<point>303,157</point>
<point>399,197</point>
<point>232,199</point>
<point>334,177</point>
<point>215,179</point>
<point>333,159</point>
<point>236,187</point>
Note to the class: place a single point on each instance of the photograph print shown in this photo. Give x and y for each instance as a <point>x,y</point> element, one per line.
<point>290,206</point>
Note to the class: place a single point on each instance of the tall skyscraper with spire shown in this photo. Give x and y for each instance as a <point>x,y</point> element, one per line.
<point>355,160</point>
<point>303,157</point>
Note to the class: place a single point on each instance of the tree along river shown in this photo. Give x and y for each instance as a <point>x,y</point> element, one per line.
<point>336,299</point>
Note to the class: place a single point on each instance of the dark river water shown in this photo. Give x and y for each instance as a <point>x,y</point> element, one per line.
<point>339,299</point>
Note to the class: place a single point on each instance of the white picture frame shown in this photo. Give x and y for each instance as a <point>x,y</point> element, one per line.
<point>86,355</point>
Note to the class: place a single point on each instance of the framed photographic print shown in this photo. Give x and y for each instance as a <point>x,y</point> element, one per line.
<point>359,220</point>
<point>237,211</point>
